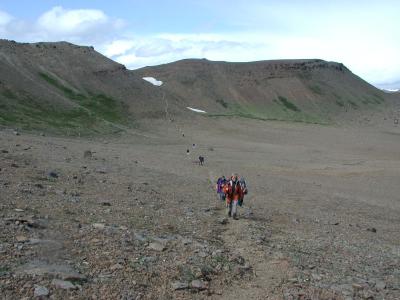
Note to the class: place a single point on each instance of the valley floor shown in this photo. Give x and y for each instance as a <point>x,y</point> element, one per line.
<point>137,218</point>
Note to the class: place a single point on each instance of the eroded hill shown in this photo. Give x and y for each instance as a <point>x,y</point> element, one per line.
<point>71,89</point>
<point>297,90</point>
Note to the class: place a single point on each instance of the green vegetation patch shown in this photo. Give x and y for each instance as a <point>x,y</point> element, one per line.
<point>99,105</point>
<point>316,89</point>
<point>90,113</point>
<point>288,104</point>
<point>339,103</point>
<point>276,111</point>
<point>353,104</point>
<point>222,102</point>
<point>69,93</point>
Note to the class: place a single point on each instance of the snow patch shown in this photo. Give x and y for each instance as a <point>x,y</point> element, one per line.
<point>153,81</point>
<point>391,90</point>
<point>196,110</point>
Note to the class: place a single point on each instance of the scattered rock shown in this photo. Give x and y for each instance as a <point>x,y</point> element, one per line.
<point>157,246</point>
<point>101,170</point>
<point>14,165</point>
<point>63,284</point>
<point>105,203</point>
<point>223,221</point>
<point>21,239</point>
<point>53,174</point>
<point>39,268</point>
<point>380,285</point>
<point>199,285</point>
<point>40,291</point>
<point>100,226</point>
<point>178,285</point>
<point>316,277</point>
<point>4,151</point>
<point>186,241</point>
<point>87,154</point>
<point>116,267</point>
<point>372,229</point>
<point>39,185</point>
<point>357,286</point>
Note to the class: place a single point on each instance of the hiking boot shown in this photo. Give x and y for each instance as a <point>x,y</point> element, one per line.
<point>229,214</point>
<point>235,217</point>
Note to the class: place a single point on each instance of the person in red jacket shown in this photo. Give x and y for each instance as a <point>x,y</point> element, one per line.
<point>233,192</point>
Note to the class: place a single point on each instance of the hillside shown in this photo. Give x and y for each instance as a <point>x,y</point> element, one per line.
<point>300,90</point>
<point>75,90</point>
<point>69,88</point>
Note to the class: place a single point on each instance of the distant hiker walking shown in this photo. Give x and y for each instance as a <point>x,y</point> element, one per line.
<point>201,160</point>
<point>220,187</point>
<point>233,193</point>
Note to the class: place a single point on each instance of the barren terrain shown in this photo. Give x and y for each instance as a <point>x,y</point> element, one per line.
<point>137,218</point>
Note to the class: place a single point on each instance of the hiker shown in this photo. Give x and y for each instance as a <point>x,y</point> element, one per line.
<point>233,193</point>
<point>187,151</point>
<point>220,187</point>
<point>201,160</point>
<point>243,186</point>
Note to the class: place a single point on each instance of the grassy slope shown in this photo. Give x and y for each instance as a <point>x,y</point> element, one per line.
<point>284,109</point>
<point>90,113</point>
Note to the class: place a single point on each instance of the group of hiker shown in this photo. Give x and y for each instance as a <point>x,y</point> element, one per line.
<point>232,191</point>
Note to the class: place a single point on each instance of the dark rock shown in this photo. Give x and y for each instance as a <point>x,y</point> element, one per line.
<point>372,229</point>
<point>39,186</point>
<point>53,174</point>
<point>87,154</point>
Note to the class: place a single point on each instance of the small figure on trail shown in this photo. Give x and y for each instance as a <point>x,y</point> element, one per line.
<point>243,186</point>
<point>187,151</point>
<point>233,193</point>
<point>194,146</point>
<point>201,160</point>
<point>220,187</point>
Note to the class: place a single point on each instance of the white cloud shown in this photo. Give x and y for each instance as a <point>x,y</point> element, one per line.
<point>118,47</point>
<point>62,21</point>
<point>5,18</point>
<point>81,26</point>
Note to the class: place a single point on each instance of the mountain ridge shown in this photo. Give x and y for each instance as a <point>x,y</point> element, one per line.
<point>68,87</point>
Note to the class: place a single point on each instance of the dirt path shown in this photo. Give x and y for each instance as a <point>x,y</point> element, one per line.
<point>268,270</point>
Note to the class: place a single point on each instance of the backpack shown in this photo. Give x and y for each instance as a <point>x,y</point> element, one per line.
<point>243,186</point>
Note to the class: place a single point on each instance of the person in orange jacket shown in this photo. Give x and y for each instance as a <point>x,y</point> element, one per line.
<point>233,192</point>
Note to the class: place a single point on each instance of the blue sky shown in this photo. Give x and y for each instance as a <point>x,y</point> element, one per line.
<point>363,35</point>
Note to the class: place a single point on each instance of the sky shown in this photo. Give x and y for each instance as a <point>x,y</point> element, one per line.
<point>363,35</point>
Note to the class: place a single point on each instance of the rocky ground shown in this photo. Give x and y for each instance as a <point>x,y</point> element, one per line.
<point>134,217</point>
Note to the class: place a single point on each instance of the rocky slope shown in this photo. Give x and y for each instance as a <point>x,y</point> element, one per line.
<point>63,86</point>
<point>300,90</point>
<point>72,89</point>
